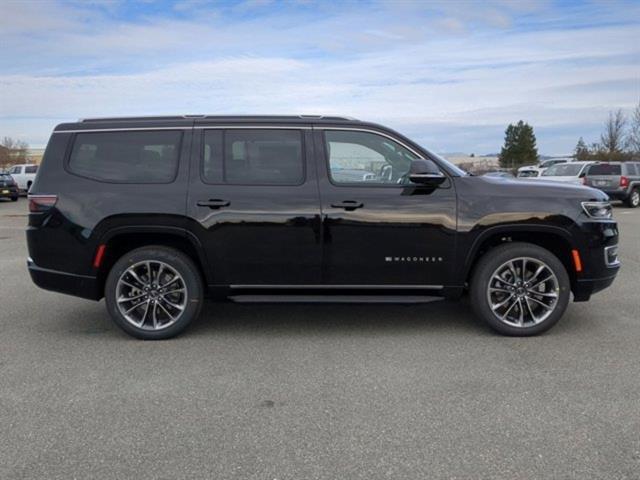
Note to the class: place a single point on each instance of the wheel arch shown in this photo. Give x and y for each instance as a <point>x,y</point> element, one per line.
<point>121,240</point>
<point>555,239</point>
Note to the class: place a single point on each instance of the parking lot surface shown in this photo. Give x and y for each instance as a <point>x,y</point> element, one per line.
<point>316,391</point>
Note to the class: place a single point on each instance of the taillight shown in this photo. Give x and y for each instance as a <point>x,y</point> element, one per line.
<point>624,181</point>
<point>41,203</point>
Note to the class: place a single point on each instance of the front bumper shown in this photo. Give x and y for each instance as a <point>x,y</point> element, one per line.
<point>83,286</point>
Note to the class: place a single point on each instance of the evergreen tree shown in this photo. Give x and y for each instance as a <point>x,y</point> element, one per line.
<point>519,146</point>
<point>581,151</point>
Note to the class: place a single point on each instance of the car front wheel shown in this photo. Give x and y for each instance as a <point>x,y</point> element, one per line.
<point>520,289</point>
<point>154,292</point>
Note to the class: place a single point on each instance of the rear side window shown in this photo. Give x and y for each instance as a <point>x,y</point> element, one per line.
<point>31,169</point>
<point>253,157</point>
<point>632,169</point>
<point>604,169</point>
<point>127,157</point>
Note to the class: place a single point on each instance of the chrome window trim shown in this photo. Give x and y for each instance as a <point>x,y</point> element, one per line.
<point>377,132</point>
<point>122,129</point>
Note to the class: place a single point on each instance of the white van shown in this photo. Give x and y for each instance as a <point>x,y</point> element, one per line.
<point>24,175</point>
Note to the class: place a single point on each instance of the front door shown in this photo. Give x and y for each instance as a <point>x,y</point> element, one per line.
<point>379,230</point>
<point>254,201</point>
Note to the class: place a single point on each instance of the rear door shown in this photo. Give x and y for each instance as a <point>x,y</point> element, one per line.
<point>380,230</point>
<point>253,200</point>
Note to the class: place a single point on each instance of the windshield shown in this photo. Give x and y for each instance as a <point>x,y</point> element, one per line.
<point>604,169</point>
<point>563,170</point>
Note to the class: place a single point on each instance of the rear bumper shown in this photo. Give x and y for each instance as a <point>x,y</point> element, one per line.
<point>9,192</point>
<point>77,285</point>
<point>617,194</point>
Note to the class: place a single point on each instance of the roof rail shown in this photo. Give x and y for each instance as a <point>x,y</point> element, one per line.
<point>329,117</point>
<point>191,116</point>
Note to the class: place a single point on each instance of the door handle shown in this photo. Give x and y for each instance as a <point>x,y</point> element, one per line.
<point>213,204</point>
<point>348,205</point>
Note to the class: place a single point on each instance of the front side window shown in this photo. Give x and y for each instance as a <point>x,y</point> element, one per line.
<point>363,157</point>
<point>253,157</point>
<point>127,157</point>
<point>15,170</point>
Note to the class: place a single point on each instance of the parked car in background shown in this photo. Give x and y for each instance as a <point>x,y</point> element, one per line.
<point>541,167</point>
<point>619,180</point>
<point>528,172</point>
<point>24,175</point>
<point>499,174</point>
<point>572,172</point>
<point>8,187</point>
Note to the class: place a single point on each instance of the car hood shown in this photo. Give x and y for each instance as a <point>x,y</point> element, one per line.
<point>539,187</point>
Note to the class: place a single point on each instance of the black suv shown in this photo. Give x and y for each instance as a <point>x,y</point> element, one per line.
<point>8,187</point>
<point>619,180</point>
<point>155,213</point>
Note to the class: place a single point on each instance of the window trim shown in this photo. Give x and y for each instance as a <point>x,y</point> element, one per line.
<point>327,160</point>
<point>72,141</point>
<point>224,129</point>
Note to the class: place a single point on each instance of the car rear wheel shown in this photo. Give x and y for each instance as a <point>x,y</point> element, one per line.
<point>14,199</point>
<point>520,289</point>
<point>634,198</point>
<point>154,292</point>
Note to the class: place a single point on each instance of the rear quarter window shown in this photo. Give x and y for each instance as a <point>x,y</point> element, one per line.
<point>126,157</point>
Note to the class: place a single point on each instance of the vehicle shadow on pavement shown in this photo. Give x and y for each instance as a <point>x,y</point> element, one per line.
<point>309,319</point>
<point>335,319</point>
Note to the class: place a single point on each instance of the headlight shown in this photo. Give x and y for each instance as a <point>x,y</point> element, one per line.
<point>598,210</point>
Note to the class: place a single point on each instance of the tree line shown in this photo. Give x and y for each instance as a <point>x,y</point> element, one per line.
<point>12,152</point>
<point>619,141</point>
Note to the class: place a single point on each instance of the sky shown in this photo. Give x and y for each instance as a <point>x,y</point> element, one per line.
<point>449,74</point>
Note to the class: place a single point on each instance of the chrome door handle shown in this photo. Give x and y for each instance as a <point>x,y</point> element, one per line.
<point>213,204</point>
<point>348,205</point>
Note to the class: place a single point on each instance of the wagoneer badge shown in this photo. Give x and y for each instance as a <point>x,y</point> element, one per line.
<point>413,259</point>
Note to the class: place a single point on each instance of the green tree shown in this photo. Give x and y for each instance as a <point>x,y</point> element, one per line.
<point>519,146</point>
<point>581,151</point>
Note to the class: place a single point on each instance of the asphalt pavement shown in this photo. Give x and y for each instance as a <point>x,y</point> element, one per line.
<point>285,391</point>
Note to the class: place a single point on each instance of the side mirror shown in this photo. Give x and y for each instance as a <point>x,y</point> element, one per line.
<point>425,172</point>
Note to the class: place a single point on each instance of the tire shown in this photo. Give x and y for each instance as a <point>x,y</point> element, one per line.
<point>633,200</point>
<point>14,199</point>
<point>175,282</point>
<point>495,270</point>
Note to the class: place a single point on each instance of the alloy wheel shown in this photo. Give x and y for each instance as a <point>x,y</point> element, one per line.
<point>523,292</point>
<point>151,295</point>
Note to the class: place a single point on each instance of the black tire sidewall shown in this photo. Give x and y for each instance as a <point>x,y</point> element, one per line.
<point>629,201</point>
<point>498,256</point>
<point>176,259</point>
